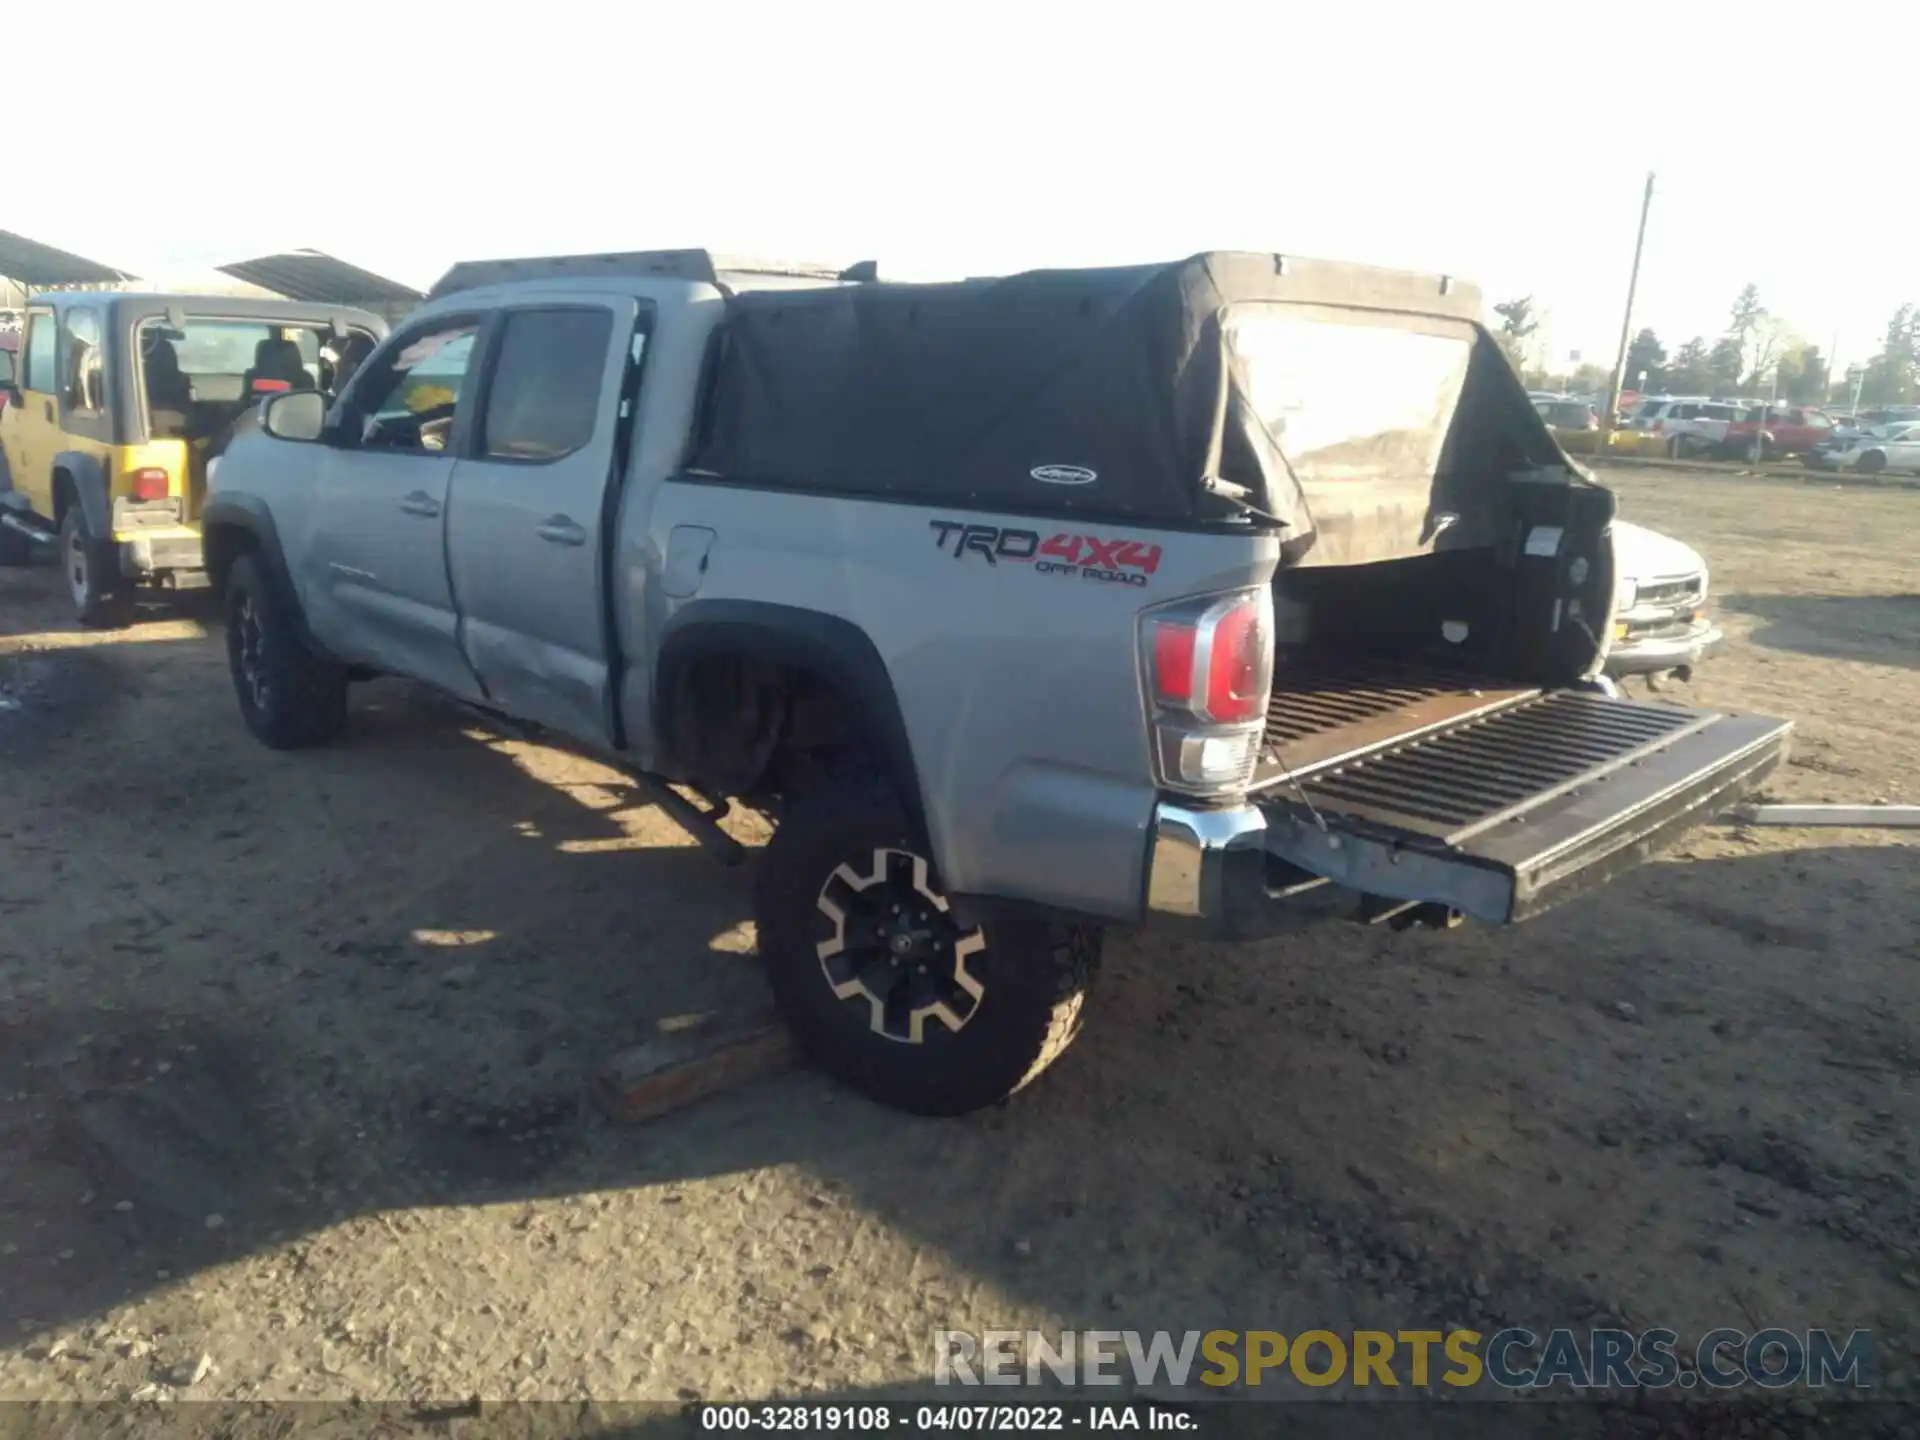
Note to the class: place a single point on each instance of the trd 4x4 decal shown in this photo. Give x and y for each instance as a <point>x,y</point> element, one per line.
<point>1087,557</point>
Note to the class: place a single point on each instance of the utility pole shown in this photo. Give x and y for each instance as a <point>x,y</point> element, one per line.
<point>1626,323</point>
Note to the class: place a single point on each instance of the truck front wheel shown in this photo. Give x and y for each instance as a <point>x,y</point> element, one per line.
<point>880,983</point>
<point>290,697</point>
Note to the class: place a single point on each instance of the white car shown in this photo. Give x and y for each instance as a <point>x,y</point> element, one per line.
<point>1889,447</point>
<point>1660,623</point>
<point>1692,427</point>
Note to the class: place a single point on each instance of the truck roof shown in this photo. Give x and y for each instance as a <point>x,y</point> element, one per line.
<point>1282,277</point>
<point>730,273</point>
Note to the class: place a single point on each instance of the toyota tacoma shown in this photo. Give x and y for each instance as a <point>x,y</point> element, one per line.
<point>1228,594</point>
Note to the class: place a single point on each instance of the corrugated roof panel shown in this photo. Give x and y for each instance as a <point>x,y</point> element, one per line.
<point>320,280</point>
<point>41,267</point>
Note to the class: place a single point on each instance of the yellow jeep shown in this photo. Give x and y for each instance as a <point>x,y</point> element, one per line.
<point>114,404</point>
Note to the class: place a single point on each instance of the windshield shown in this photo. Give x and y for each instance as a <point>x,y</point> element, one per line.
<point>1346,399</point>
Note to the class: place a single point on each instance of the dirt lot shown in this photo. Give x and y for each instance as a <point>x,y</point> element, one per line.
<point>293,1053</point>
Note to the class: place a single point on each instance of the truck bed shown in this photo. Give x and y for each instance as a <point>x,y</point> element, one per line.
<point>1326,712</point>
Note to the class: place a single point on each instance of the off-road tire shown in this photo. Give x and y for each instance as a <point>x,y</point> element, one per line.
<point>1033,973</point>
<point>290,697</point>
<point>102,596</point>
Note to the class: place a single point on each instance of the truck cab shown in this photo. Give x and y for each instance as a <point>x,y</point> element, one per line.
<point>115,405</point>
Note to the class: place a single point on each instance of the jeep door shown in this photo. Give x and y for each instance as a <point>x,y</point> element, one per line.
<point>30,428</point>
<point>373,572</point>
<point>531,501</point>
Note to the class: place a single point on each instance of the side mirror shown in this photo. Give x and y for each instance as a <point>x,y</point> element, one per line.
<point>296,415</point>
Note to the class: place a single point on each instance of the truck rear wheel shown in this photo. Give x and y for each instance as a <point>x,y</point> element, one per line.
<point>102,596</point>
<point>882,986</point>
<point>290,697</point>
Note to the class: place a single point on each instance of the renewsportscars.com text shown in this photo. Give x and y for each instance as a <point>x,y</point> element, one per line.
<point>1513,1359</point>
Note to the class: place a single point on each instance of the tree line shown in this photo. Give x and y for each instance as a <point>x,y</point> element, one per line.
<point>1756,354</point>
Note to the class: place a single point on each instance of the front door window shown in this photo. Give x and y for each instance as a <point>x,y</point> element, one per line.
<point>411,407</point>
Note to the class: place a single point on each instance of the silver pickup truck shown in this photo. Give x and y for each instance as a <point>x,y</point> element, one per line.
<point>1228,594</point>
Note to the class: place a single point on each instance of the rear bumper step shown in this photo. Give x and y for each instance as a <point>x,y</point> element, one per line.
<point>1498,818</point>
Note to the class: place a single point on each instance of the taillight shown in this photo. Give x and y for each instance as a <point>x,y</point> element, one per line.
<point>1239,664</point>
<point>1209,669</point>
<point>149,484</point>
<point>1173,644</point>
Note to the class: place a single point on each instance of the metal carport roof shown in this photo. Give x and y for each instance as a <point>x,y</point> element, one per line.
<point>321,280</point>
<point>41,267</point>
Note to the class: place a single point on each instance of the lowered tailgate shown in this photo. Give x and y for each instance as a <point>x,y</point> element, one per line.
<point>1516,805</point>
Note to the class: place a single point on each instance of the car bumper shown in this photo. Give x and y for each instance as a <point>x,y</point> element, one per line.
<point>1655,656</point>
<point>159,551</point>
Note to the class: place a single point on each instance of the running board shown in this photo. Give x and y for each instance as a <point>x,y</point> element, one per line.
<point>1504,816</point>
<point>29,529</point>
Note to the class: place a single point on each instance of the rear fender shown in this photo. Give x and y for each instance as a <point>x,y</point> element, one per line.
<point>87,480</point>
<point>834,649</point>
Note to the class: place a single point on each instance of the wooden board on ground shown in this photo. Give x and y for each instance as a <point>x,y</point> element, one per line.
<point>691,1058</point>
<point>1861,817</point>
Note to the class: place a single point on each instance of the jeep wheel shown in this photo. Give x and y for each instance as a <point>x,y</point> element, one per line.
<point>290,697</point>
<point>101,595</point>
<point>880,984</point>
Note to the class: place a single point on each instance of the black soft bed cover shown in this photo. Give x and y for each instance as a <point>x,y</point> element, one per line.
<point>1114,393</point>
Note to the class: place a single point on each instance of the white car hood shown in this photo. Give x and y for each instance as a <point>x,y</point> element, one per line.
<point>1642,554</point>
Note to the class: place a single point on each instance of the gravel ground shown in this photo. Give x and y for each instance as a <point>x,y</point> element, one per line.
<point>294,1051</point>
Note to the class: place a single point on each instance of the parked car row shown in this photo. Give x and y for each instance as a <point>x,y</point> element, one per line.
<point>1694,426</point>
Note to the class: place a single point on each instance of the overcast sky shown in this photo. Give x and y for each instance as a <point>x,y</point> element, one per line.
<point>1504,142</point>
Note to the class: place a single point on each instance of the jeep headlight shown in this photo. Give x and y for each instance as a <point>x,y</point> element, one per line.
<point>1626,591</point>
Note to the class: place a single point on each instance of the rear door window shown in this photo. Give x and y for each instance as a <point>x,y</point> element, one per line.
<point>545,393</point>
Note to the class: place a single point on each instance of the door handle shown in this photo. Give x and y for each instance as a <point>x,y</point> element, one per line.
<point>559,530</point>
<point>48,410</point>
<point>420,503</point>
